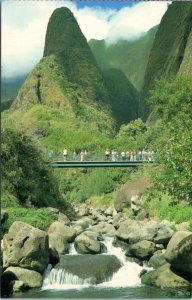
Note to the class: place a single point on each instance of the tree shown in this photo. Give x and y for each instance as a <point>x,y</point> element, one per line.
<point>173,99</point>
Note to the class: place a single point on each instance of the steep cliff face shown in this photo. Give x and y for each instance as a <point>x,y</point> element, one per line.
<point>129,57</point>
<point>123,96</point>
<point>68,76</point>
<point>168,48</point>
<point>186,65</point>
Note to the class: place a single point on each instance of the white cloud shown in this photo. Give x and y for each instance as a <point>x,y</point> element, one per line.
<point>24,26</point>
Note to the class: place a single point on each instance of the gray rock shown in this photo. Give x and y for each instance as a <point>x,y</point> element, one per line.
<point>92,268</point>
<point>59,243</point>
<point>142,215</point>
<point>59,237</point>
<point>109,211</point>
<point>86,244</point>
<point>159,246</point>
<point>26,246</point>
<point>104,228</point>
<point>63,219</point>
<point>83,212</point>
<point>142,249</point>
<point>157,260</point>
<point>118,219</point>
<point>182,226</point>
<point>179,251</point>
<point>31,278</point>
<point>134,231</point>
<point>20,286</point>
<point>54,210</point>
<point>122,199</point>
<point>164,233</point>
<point>164,278</point>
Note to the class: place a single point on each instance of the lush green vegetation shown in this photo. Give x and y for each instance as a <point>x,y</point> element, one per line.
<point>124,98</point>
<point>129,57</point>
<point>40,218</point>
<point>25,173</point>
<point>80,185</point>
<point>173,101</point>
<point>168,48</point>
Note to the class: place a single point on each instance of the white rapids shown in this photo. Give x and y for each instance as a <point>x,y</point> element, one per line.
<point>127,275</point>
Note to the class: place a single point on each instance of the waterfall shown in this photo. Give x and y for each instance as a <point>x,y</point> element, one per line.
<point>60,279</point>
<point>127,275</point>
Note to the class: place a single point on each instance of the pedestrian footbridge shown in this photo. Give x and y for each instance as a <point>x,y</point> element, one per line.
<point>98,164</point>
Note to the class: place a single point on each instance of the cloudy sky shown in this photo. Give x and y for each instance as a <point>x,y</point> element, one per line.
<point>24,25</point>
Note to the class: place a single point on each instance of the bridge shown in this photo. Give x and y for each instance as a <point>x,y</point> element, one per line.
<point>97,162</point>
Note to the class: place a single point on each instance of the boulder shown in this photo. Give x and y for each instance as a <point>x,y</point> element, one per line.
<point>118,219</point>
<point>164,233</point>
<point>179,251</point>
<point>59,228</point>
<point>182,226</point>
<point>59,243</point>
<point>83,212</point>
<point>109,211</point>
<point>94,269</point>
<point>87,244</point>
<point>142,215</point>
<point>25,246</point>
<point>31,278</point>
<point>130,192</point>
<point>83,224</point>
<point>63,219</point>
<point>53,209</point>
<point>20,286</point>
<point>59,237</point>
<point>122,199</point>
<point>104,228</point>
<point>157,260</point>
<point>164,277</point>
<point>142,249</point>
<point>134,231</point>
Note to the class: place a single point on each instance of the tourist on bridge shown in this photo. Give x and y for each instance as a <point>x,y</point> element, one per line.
<point>107,154</point>
<point>123,156</point>
<point>113,155</point>
<point>85,154</point>
<point>74,155</point>
<point>82,155</point>
<point>140,155</point>
<point>128,155</point>
<point>64,154</point>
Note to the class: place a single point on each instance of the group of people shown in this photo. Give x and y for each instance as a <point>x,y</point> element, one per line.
<point>132,155</point>
<point>82,154</point>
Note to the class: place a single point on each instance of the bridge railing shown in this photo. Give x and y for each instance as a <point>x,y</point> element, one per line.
<point>99,157</point>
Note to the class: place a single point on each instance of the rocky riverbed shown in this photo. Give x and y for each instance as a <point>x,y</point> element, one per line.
<point>162,250</point>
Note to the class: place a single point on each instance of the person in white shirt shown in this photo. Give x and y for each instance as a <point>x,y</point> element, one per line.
<point>64,154</point>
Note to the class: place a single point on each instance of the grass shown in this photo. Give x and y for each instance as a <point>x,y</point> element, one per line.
<point>40,218</point>
<point>159,206</point>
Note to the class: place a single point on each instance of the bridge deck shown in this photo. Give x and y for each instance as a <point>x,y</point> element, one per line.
<point>98,164</point>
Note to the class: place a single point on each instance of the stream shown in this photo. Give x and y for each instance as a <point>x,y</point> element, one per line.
<point>125,283</point>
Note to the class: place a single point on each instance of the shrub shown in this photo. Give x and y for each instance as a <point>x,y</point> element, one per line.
<point>40,218</point>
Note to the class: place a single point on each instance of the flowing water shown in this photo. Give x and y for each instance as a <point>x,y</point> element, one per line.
<point>125,283</point>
